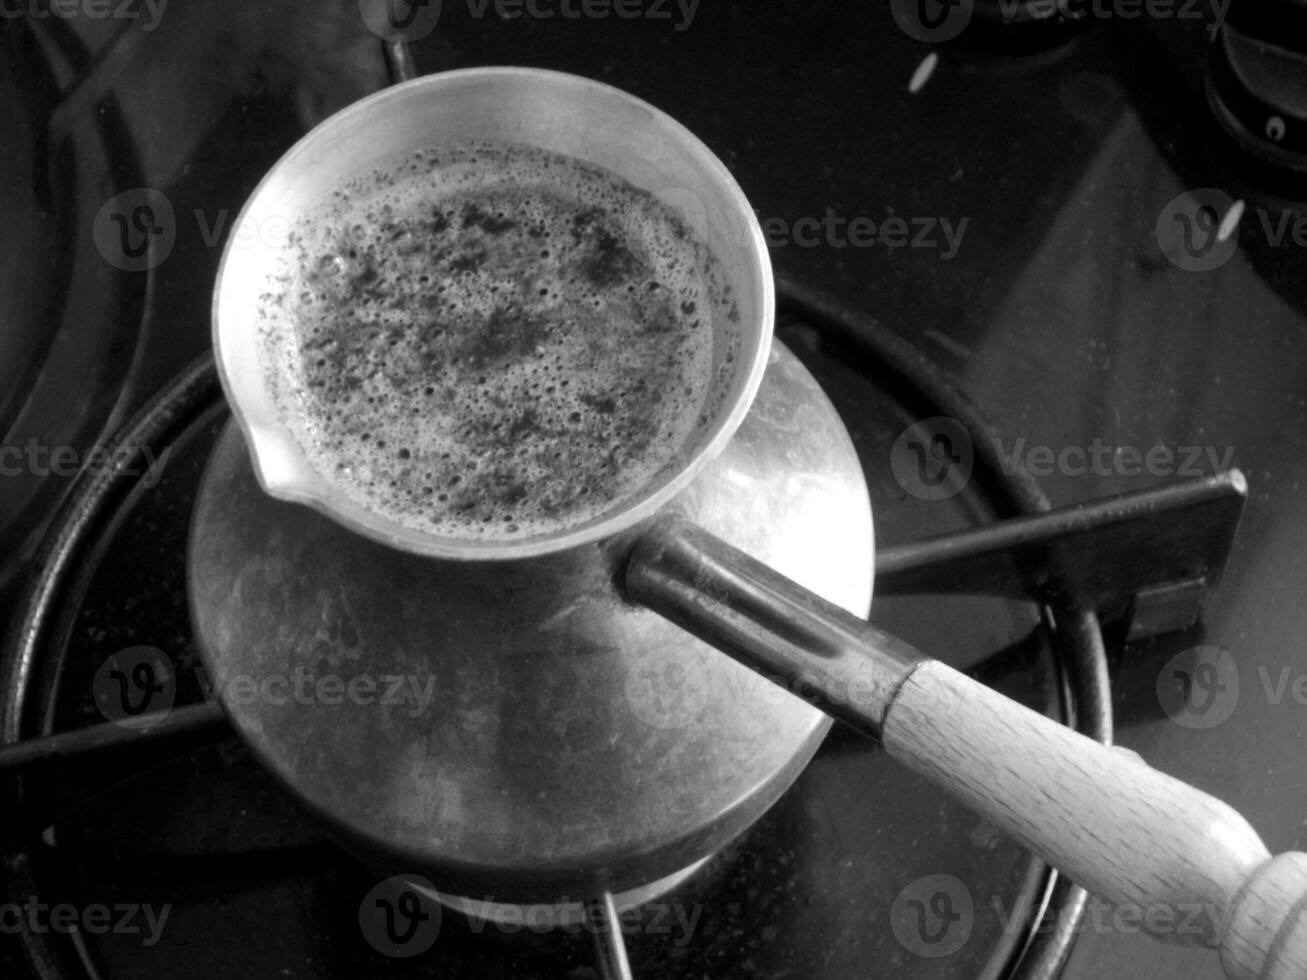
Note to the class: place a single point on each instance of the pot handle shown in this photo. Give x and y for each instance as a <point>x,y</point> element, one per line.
<point>400,65</point>
<point>1185,864</point>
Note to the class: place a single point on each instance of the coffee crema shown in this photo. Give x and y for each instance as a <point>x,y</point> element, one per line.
<point>492,341</point>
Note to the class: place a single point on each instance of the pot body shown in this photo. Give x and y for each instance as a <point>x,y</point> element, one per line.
<point>494,715</point>
<point>516,729</point>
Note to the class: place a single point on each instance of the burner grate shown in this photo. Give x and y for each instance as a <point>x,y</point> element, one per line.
<point>190,749</point>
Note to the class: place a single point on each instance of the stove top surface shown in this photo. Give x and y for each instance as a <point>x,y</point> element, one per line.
<point>1051,220</point>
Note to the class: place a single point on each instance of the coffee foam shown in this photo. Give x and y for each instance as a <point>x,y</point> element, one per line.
<point>495,342</point>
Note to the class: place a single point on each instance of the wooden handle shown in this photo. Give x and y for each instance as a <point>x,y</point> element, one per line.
<point>1188,866</point>
<point>1191,867</point>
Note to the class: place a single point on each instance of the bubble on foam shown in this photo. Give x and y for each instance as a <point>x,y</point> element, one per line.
<point>493,341</point>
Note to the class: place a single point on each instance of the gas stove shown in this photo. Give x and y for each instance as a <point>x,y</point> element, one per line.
<point>1036,260</point>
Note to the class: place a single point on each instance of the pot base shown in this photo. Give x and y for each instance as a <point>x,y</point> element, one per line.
<point>518,728</point>
<point>564,914</point>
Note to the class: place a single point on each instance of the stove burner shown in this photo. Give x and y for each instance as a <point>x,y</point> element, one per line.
<point>793,889</point>
<point>73,319</point>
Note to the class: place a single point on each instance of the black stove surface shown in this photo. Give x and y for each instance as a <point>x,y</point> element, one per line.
<point>1042,216</point>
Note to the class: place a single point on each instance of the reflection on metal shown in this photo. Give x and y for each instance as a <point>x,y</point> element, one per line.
<point>610,947</point>
<point>399,61</point>
<point>178,731</point>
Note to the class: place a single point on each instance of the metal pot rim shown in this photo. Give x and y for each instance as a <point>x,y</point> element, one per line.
<point>281,466</point>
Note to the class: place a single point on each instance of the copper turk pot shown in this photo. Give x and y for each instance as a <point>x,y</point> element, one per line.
<point>572,738</point>
<point>577,738</point>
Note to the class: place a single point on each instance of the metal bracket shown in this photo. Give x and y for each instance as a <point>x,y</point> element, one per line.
<point>1155,552</point>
